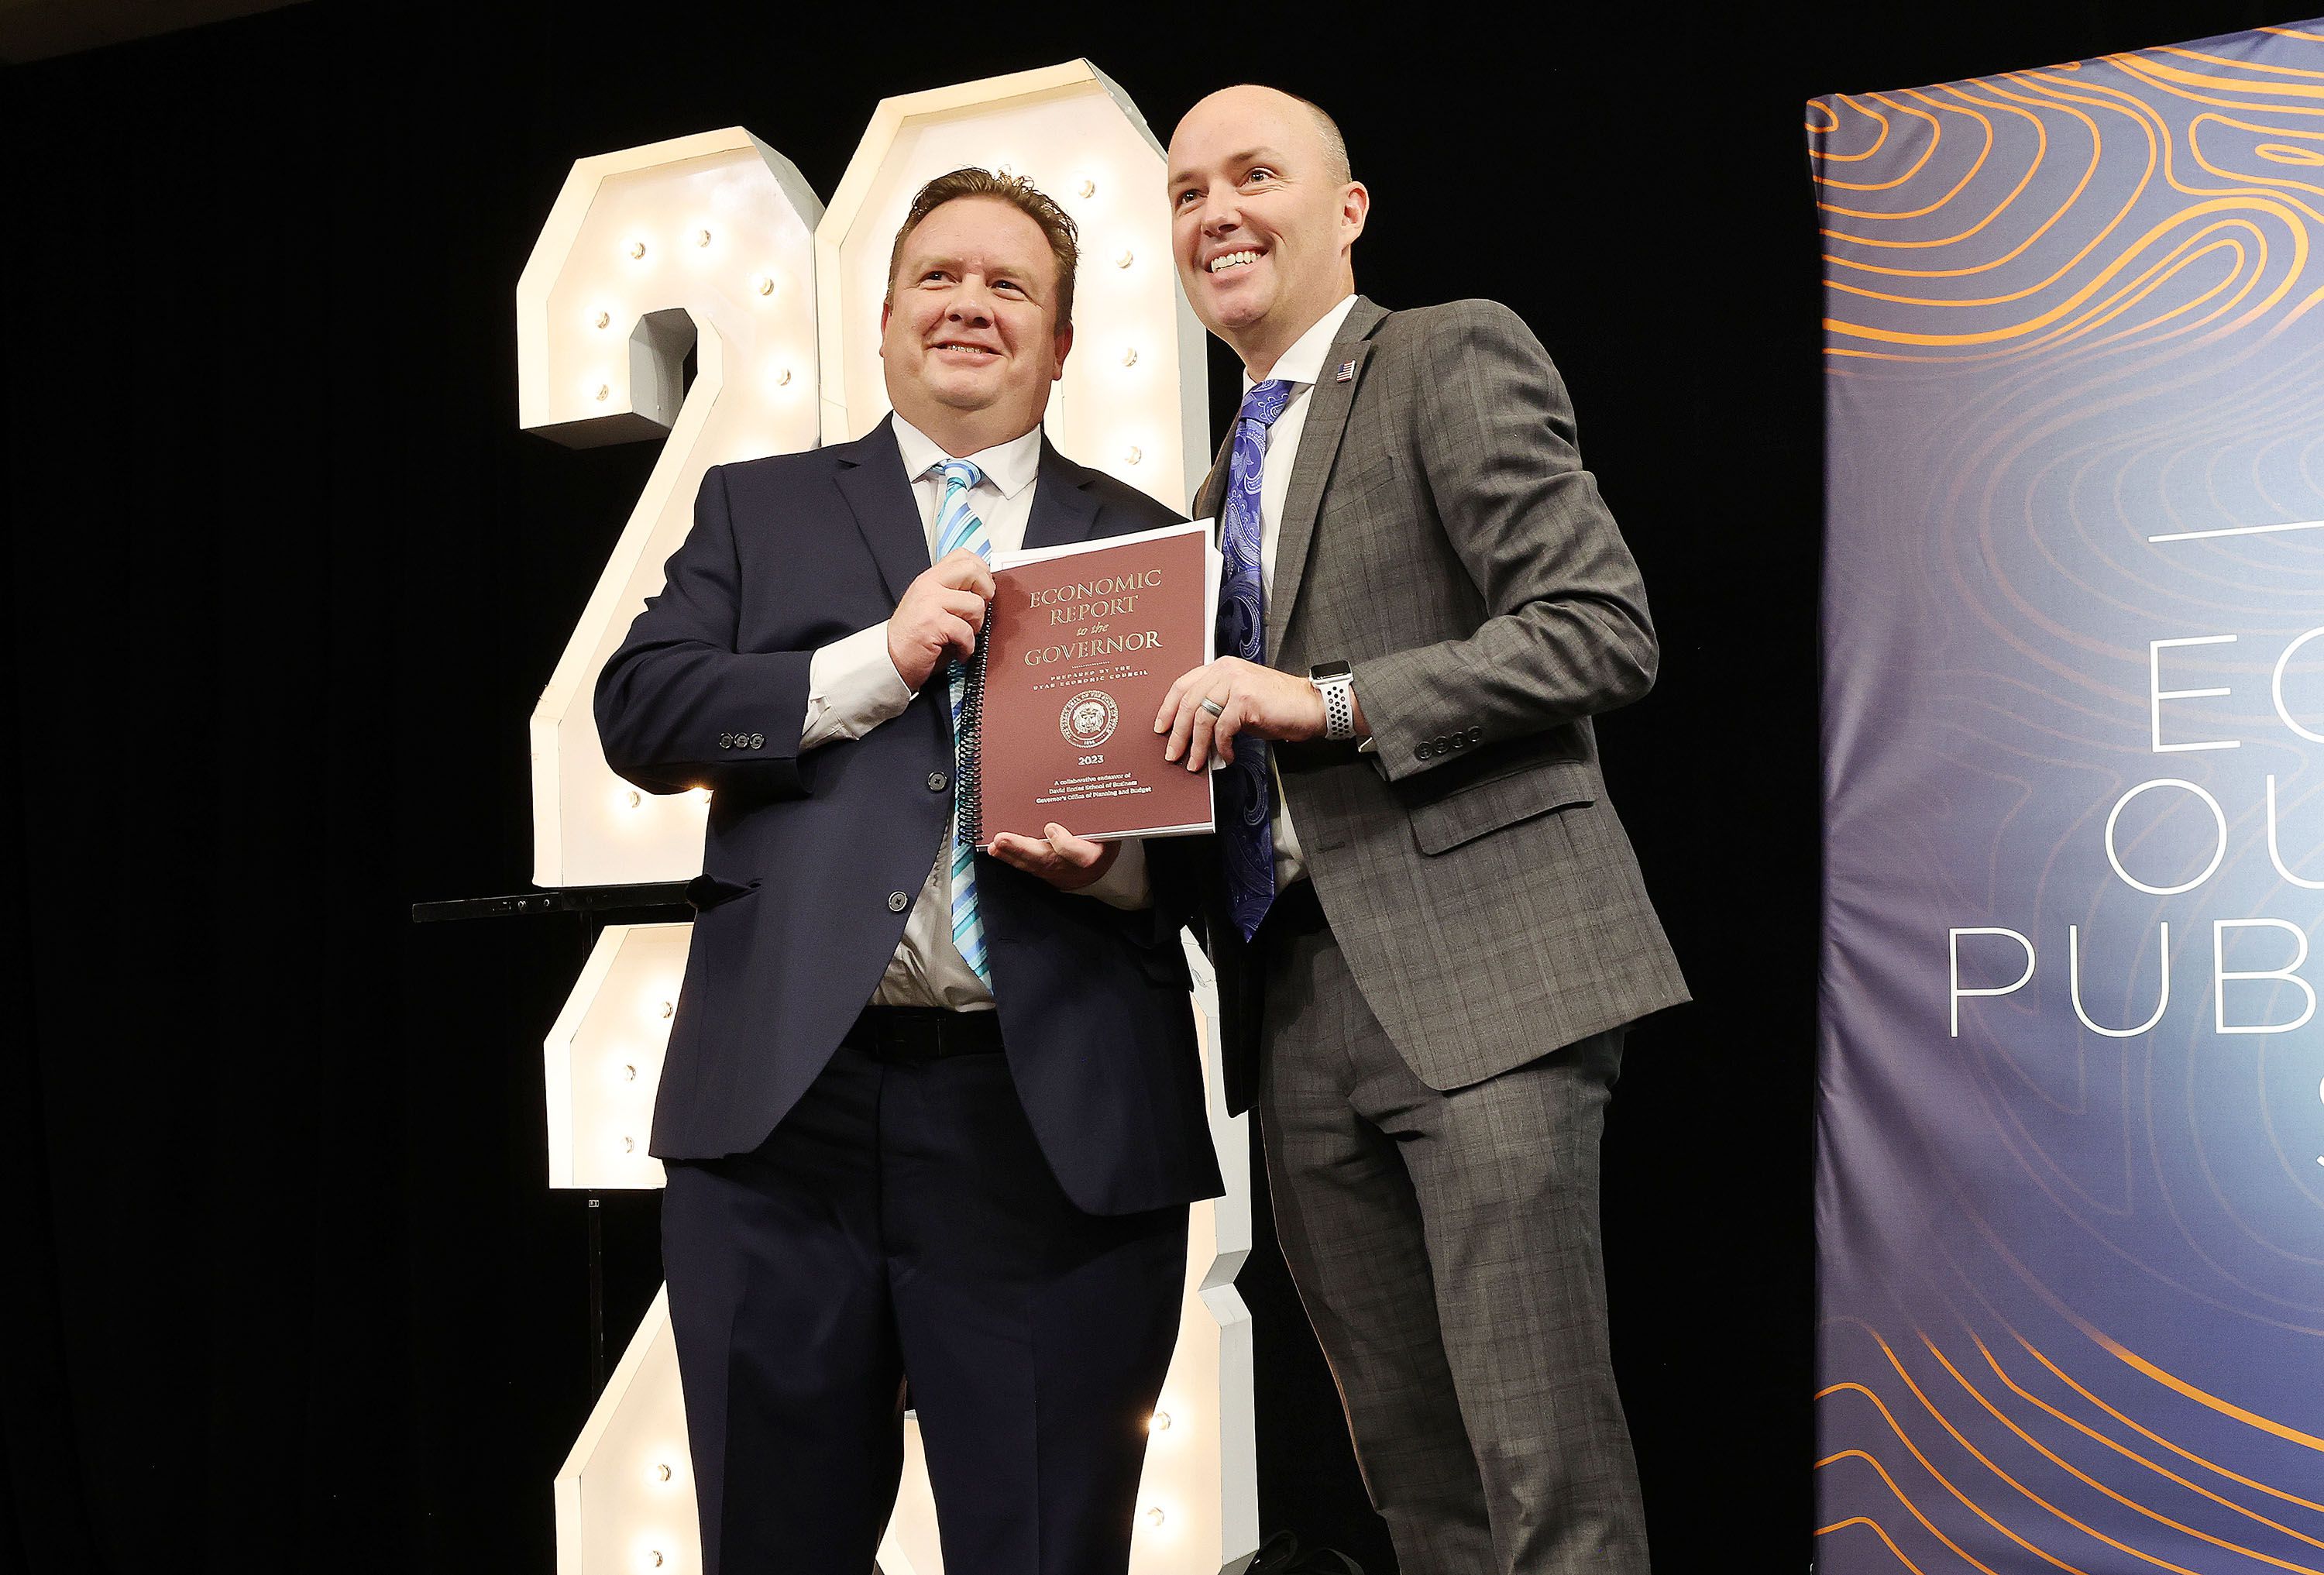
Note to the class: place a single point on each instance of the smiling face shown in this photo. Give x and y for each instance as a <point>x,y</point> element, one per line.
<point>1263,216</point>
<point>969,337</point>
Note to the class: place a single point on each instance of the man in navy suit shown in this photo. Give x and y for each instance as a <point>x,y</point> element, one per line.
<point>930,1116</point>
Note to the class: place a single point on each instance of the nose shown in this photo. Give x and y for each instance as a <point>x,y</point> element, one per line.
<point>1220,216</point>
<point>971,302</point>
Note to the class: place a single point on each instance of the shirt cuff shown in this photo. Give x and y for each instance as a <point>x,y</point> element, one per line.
<point>1124,886</point>
<point>852,688</point>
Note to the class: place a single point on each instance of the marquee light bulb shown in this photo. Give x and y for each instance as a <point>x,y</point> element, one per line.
<point>1158,1423</point>
<point>605,319</point>
<point>654,1558</point>
<point>1089,188</point>
<point>668,1008</point>
<point>1126,259</point>
<point>1132,455</point>
<point>604,390</point>
<point>1155,1517</point>
<point>765,284</point>
<point>628,1146</point>
<point>636,799</point>
<point>702,237</point>
<point>783,378</point>
<point>629,1074</point>
<point>637,250</point>
<point>1129,356</point>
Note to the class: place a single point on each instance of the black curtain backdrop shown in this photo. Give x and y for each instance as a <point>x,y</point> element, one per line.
<point>284,1288</point>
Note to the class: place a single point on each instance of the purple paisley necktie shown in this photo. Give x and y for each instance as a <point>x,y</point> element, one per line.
<point>1247,837</point>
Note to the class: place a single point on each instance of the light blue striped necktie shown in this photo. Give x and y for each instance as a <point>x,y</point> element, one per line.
<point>957,526</point>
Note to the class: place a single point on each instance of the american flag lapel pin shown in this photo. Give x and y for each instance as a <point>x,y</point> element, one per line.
<point>1347,372</point>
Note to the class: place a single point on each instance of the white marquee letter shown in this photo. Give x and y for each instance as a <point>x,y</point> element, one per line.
<point>2289,974</point>
<point>1953,943</point>
<point>2274,850</point>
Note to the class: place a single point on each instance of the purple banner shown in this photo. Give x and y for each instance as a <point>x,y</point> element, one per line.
<point>2070,1169</point>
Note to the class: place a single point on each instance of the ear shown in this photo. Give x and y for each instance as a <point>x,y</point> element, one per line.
<point>1063,346</point>
<point>1355,205</point>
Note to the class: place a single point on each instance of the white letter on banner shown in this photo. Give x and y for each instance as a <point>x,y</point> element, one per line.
<point>2283,709</point>
<point>2275,849</point>
<point>2289,974</point>
<point>2157,693</point>
<point>1953,943</point>
<point>2074,986</point>
<point>2218,854</point>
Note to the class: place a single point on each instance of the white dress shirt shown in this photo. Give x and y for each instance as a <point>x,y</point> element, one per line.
<point>853,688</point>
<point>1300,366</point>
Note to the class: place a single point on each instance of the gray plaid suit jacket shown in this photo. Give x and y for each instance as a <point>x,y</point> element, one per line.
<point>1442,535</point>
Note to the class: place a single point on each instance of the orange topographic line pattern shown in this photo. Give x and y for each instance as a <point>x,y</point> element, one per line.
<point>1983,1460</point>
<point>2155,70</point>
<point>1971,1504</point>
<point>2175,84</point>
<point>1878,142</point>
<point>2087,1481</point>
<point>2130,1454</point>
<point>2081,297</point>
<point>2144,1432</point>
<point>2283,183</point>
<point>2170,166</point>
<point>1936,137</point>
<point>1976,165</point>
<point>2200,1397</point>
<point>2043,228</point>
<point>1867,1520</point>
<point>1902,1497</point>
<point>2294,32</point>
<point>2187,54</point>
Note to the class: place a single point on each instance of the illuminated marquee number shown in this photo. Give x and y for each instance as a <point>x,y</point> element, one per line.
<point>716,241</point>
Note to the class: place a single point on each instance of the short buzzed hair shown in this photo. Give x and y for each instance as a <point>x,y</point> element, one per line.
<point>1335,146</point>
<point>1057,227</point>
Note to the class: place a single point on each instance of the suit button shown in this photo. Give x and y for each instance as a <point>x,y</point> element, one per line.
<point>1423,753</point>
<point>1442,743</point>
<point>756,739</point>
<point>725,740</point>
<point>898,902</point>
<point>938,781</point>
<point>1476,734</point>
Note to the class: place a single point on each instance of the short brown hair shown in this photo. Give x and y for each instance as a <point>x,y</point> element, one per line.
<point>1056,225</point>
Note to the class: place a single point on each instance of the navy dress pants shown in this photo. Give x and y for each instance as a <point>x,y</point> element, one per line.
<point>900,1228</point>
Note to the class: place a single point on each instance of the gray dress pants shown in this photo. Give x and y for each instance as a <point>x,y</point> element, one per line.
<point>1446,1248</point>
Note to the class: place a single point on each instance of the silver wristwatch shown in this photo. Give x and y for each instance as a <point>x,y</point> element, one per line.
<point>1336,682</point>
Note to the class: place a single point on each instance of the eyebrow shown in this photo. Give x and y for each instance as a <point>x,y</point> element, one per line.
<point>1261,155</point>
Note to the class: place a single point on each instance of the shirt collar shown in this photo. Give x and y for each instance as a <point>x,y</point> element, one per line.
<point>1304,361</point>
<point>1009,467</point>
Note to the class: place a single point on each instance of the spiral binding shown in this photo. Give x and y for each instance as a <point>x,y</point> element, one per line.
<point>968,752</point>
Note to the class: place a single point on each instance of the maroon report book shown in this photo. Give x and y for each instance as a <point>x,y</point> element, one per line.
<point>1081,645</point>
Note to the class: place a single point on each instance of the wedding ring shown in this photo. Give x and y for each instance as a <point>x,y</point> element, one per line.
<point>1214,707</point>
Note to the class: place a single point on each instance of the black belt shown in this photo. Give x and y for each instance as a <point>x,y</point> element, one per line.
<point>920,1034</point>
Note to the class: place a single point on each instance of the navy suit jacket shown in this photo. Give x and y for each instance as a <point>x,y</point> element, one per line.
<point>813,858</point>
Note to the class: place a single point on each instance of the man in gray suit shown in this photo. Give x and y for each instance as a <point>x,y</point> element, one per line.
<point>1429,926</point>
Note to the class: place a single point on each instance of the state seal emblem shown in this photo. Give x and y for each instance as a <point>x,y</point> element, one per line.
<point>1089,718</point>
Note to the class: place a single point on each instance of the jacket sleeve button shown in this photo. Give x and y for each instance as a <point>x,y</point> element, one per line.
<point>938,781</point>
<point>725,740</point>
<point>898,902</point>
<point>1475,734</point>
<point>758,739</point>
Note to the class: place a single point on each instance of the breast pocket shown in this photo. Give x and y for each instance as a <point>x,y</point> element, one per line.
<point>1493,802</point>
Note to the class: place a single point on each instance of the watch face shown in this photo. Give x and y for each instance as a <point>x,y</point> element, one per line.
<point>1331,670</point>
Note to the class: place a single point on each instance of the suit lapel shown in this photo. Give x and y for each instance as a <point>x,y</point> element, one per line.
<point>1063,511</point>
<point>1328,402</point>
<point>1206,497</point>
<point>871,479</point>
